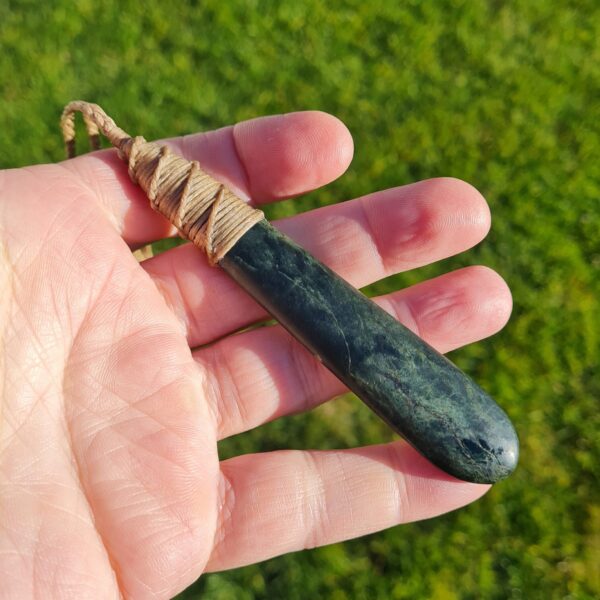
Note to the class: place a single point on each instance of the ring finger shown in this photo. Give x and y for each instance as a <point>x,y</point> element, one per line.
<point>363,240</point>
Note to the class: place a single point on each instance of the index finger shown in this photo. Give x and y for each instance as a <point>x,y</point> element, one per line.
<point>278,502</point>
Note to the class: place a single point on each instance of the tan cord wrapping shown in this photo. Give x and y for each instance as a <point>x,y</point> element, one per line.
<point>203,209</point>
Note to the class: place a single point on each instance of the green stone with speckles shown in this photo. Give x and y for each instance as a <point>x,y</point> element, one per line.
<point>420,394</point>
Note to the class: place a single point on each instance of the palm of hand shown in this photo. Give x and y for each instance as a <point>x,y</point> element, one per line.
<point>104,441</point>
<point>109,470</point>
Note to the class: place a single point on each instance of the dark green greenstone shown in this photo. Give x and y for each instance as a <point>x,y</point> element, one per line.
<point>412,387</point>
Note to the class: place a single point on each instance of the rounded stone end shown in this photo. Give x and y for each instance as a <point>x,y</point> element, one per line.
<point>492,462</point>
<point>508,459</point>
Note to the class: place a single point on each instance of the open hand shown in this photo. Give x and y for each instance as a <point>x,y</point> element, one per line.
<point>110,483</point>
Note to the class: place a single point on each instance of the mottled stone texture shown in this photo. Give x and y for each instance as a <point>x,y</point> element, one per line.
<point>413,388</point>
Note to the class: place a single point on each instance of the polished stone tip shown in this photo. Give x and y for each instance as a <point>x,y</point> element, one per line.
<point>464,433</point>
<point>488,461</point>
<point>422,396</point>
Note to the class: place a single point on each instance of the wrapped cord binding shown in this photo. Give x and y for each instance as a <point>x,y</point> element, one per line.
<point>203,210</point>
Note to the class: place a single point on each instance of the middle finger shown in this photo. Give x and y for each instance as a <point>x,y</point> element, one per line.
<point>263,374</point>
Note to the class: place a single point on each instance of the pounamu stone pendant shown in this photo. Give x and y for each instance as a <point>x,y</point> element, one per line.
<point>417,391</point>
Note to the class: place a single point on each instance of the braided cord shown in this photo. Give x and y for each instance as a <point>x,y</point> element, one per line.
<point>202,209</point>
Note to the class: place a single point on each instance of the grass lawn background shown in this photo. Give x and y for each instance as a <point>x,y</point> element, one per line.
<point>505,95</point>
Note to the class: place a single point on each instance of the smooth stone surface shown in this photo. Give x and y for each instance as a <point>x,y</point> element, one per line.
<point>417,391</point>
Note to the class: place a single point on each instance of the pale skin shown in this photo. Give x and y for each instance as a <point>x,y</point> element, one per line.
<point>113,398</point>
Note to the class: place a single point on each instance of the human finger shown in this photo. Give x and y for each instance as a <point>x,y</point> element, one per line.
<point>263,374</point>
<point>363,240</point>
<point>262,160</point>
<point>278,502</point>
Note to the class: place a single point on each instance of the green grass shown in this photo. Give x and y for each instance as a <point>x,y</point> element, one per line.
<point>503,94</point>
